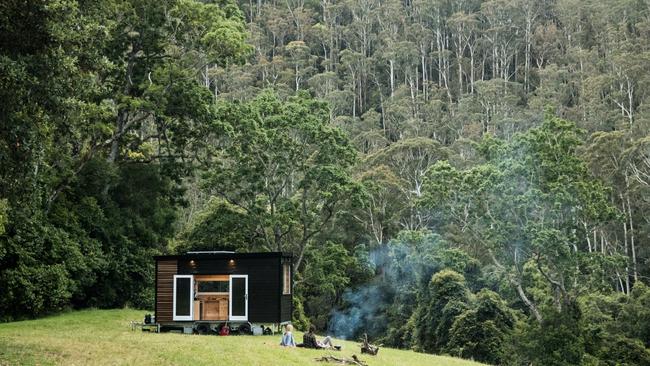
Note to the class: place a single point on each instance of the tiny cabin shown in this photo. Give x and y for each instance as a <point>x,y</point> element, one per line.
<point>219,286</point>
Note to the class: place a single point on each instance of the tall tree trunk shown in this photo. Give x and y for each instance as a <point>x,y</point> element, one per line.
<point>584,224</point>
<point>471,65</point>
<point>630,97</point>
<point>392,77</point>
<point>381,106</point>
<point>439,52</point>
<point>122,116</point>
<point>459,59</point>
<point>528,40</point>
<point>528,302</point>
<point>629,216</point>
<point>516,282</point>
<point>627,258</point>
<point>424,70</point>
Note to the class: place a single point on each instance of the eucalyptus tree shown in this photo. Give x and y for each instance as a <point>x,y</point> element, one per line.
<point>502,37</point>
<point>277,25</point>
<point>391,31</point>
<point>300,56</point>
<point>623,163</point>
<point>465,40</point>
<point>523,209</point>
<point>301,18</point>
<point>283,166</point>
<point>409,159</point>
<point>353,63</point>
<point>628,82</point>
<point>546,43</point>
<point>361,39</point>
<point>382,205</point>
<point>530,11</point>
<point>498,102</point>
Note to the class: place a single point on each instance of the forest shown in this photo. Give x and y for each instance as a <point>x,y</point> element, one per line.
<point>467,177</point>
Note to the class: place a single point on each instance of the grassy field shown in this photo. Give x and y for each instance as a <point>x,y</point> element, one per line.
<point>103,337</point>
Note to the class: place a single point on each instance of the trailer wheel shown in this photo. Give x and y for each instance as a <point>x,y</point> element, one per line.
<point>245,329</point>
<point>203,328</point>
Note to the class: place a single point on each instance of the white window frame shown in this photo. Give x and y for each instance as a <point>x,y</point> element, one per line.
<point>230,297</point>
<point>184,317</point>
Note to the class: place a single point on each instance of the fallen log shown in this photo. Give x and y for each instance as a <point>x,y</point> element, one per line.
<point>368,348</point>
<point>343,361</point>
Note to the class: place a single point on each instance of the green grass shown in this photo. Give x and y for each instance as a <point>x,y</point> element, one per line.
<point>103,337</point>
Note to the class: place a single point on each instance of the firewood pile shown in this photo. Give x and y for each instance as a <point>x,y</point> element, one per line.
<point>356,361</point>
<point>368,348</point>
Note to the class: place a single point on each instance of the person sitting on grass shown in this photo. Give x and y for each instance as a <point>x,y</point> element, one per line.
<point>287,337</point>
<point>309,341</point>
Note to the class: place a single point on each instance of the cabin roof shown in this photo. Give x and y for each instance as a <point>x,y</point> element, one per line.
<point>222,255</point>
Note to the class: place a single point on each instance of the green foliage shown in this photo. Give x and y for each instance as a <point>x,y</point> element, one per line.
<point>526,205</point>
<point>108,107</point>
<point>328,270</point>
<point>406,268</point>
<point>100,108</point>
<point>383,204</point>
<point>446,298</point>
<point>611,336</point>
<point>634,318</point>
<point>285,166</point>
<point>220,225</point>
<point>4,208</point>
<point>620,350</point>
<point>299,319</point>
<point>558,340</point>
<point>480,333</point>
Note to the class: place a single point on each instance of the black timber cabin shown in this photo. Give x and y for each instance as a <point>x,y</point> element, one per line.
<point>224,286</point>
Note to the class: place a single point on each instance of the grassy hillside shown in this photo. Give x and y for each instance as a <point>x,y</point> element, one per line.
<point>103,337</point>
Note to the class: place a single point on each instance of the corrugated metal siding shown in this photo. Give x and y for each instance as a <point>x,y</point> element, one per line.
<point>165,290</point>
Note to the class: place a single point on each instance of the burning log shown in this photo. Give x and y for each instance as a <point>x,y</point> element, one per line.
<point>343,361</point>
<point>368,348</point>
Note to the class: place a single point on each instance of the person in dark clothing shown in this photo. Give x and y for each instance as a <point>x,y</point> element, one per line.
<point>309,340</point>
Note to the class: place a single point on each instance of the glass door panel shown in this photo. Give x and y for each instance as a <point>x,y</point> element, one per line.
<point>183,297</point>
<point>238,297</point>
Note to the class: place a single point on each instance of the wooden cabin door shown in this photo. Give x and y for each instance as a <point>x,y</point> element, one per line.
<point>183,297</point>
<point>238,297</point>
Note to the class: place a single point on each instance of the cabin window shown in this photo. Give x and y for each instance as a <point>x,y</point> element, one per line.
<point>212,286</point>
<point>286,270</point>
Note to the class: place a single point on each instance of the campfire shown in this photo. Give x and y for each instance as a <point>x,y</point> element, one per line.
<point>368,348</point>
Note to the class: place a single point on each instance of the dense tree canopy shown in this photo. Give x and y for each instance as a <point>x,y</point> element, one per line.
<point>99,107</point>
<point>464,177</point>
<point>282,170</point>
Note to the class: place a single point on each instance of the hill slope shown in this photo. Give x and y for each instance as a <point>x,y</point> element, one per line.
<point>103,337</point>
